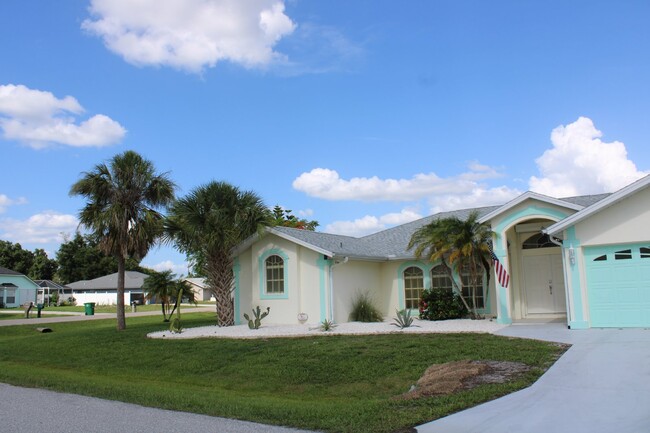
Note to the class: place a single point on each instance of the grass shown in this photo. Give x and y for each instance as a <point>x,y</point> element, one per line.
<point>327,383</point>
<point>110,308</point>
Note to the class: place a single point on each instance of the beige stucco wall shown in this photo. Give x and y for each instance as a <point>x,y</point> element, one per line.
<point>625,222</point>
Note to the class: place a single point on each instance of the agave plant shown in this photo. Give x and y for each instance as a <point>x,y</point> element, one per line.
<point>403,319</point>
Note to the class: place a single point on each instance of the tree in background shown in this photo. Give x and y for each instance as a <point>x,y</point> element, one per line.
<point>36,265</point>
<point>43,268</point>
<point>284,217</point>
<point>207,225</point>
<point>163,287</point>
<point>80,259</point>
<point>122,210</point>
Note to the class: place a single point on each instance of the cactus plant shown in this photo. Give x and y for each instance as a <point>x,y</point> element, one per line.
<point>176,326</point>
<point>259,315</point>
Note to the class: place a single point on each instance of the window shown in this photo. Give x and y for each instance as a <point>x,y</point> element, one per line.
<point>645,252</point>
<point>274,274</point>
<point>538,240</point>
<point>623,255</point>
<point>413,286</point>
<point>440,279</point>
<point>602,258</point>
<point>472,290</point>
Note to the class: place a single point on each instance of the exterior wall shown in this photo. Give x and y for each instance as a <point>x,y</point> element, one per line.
<point>26,291</point>
<point>104,297</point>
<point>354,278</point>
<point>244,286</point>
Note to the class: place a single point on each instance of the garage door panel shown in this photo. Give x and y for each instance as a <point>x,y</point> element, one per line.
<point>618,289</point>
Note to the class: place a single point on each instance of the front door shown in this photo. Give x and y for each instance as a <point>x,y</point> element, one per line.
<point>544,281</point>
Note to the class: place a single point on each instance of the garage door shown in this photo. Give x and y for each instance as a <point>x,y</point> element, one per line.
<point>618,285</point>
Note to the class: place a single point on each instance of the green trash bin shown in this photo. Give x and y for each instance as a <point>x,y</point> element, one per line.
<point>90,308</point>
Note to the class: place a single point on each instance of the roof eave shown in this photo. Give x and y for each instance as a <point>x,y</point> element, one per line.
<point>526,196</point>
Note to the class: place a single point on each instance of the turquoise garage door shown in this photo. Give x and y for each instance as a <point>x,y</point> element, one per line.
<point>618,285</point>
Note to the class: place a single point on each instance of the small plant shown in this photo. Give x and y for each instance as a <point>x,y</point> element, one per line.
<point>257,313</point>
<point>327,325</point>
<point>363,310</point>
<point>403,319</point>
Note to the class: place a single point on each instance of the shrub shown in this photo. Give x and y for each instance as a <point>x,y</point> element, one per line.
<point>327,325</point>
<point>403,319</point>
<point>363,310</point>
<point>438,304</point>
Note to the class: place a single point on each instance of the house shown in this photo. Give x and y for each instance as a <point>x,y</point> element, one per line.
<point>49,287</point>
<point>200,288</point>
<point>16,289</point>
<point>585,260</point>
<point>103,290</point>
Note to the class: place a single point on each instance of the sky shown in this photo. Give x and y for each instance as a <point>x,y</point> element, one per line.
<point>361,115</point>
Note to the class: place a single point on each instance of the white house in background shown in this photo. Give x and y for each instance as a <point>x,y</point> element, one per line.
<point>200,288</point>
<point>103,290</point>
<point>16,289</point>
<point>582,259</point>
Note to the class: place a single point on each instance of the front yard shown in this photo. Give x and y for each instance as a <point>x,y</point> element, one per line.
<point>326,383</point>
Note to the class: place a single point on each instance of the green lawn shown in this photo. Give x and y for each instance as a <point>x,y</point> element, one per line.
<point>110,308</point>
<point>327,383</point>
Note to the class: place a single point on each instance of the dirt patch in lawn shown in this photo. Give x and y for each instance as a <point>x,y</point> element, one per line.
<point>441,379</point>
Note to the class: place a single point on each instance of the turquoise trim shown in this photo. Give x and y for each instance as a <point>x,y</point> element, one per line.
<point>579,325</point>
<point>426,273</point>
<point>237,302</point>
<point>529,212</point>
<point>578,315</point>
<point>322,262</point>
<point>262,268</point>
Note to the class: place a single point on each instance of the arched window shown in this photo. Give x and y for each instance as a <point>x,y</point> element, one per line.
<point>274,274</point>
<point>413,286</point>
<point>440,279</point>
<point>473,290</point>
<point>538,240</point>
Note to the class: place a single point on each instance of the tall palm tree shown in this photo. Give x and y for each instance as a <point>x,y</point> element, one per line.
<point>163,287</point>
<point>122,210</point>
<point>207,225</point>
<point>459,244</point>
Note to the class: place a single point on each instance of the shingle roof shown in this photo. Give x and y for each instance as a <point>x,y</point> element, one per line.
<point>5,271</point>
<point>393,243</point>
<point>132,280</point>
<point>49,283</point>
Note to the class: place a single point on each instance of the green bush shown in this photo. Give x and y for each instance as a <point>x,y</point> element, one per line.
<point>438,304</point>
<point>364,310</point>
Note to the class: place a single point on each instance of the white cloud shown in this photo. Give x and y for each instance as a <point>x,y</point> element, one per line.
<point>581,163</point>
<point>478,197</point>
<point>42,228</point>
<point>371,224</point>
<point>327,184</point>
<point>39,119</point>
<point>5,202</point>
<point>168,265</point>
<point>191,34</point>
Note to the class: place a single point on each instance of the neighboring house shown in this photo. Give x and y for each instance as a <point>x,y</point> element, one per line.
<point>48,287</point>
<point>582,259</point>
<point>16,289</point>
<point>103,290</point>
<point>200,288</point>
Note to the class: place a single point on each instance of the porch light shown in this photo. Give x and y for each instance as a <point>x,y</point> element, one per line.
<point>572,255</point>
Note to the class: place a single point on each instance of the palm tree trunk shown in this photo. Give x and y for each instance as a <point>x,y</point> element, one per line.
<point>459,290</point>
<point>221,279</point>
<point>121,320</point>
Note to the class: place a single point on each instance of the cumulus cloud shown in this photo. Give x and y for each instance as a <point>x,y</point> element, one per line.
<point>39,119</point>
<point>42,228</point>
<point>168,265</point>
<point>581,163</point>
<point>371,224</point>
<point>191,34</point>
<point>5,202</point>
<point>327,184</point>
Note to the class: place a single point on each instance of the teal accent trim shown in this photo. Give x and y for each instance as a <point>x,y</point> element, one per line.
<point>237,271</point>
<point>578,324</point>
<point>529,212</point>
<point>576,288</point>
<point>262,268</point>
<point>426,273</point>
<point>322,263</point>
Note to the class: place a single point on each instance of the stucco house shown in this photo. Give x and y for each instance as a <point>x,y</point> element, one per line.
<point>16,289</point>
<point>585,260</point>
<point>103,290</point>
<point>200,288</point>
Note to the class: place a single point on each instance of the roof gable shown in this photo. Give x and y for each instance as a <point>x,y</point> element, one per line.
<point>608,201</point>
<point>529,195</point>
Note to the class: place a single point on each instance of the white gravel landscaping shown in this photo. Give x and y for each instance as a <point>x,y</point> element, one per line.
<point>348,328</point>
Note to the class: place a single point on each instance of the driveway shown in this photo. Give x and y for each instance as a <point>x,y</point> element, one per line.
<point>600,385</point>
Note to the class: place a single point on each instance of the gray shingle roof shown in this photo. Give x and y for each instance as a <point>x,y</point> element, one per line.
<point>132,280</point>
<point>5,271</point>
<point>392,243</point>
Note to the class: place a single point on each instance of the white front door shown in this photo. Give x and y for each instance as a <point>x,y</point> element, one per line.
<point>544,281</point>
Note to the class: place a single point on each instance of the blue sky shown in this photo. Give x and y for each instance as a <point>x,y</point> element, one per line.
<point>359,114</point>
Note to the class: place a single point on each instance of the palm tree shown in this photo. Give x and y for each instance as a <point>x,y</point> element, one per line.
<point>121,212</point>
<point>163,287</point>
<point>459,244</point>
<point>207,225</point>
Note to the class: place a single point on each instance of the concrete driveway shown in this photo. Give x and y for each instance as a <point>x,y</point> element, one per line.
<point>600,385</point>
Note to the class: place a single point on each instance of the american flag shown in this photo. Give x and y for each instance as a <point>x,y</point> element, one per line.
<point>502,274</point>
